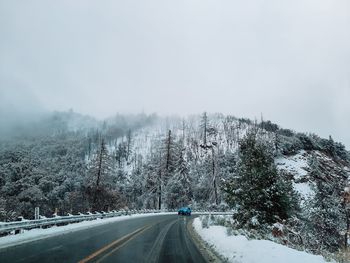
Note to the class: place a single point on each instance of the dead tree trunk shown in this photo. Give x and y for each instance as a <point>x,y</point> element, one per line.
<point>214,176</point>
<point>99,172</point>
<point>168,152</point>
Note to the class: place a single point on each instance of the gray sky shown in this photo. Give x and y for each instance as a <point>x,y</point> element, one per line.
<point>289,60</point>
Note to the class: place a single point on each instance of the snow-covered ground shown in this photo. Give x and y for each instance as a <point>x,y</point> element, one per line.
<point>37,234</point>
<point>238,249</point>
<point>298,166</point>
<point>295,164</point>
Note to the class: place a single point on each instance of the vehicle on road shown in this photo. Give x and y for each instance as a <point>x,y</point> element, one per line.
<point>185,211</point>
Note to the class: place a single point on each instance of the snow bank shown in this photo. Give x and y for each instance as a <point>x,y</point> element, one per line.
<point>238,249</point>
<point>37,234</point>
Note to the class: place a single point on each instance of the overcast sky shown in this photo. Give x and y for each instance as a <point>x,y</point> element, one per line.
<point>289,60</point>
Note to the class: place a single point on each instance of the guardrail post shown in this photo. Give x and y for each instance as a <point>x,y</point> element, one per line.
<point>36,213</point>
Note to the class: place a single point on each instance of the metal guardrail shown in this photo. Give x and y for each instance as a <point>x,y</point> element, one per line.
<point>212,213</point>
<point>7,227</point>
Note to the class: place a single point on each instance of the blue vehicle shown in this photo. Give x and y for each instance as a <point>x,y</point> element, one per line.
<point>184,211</point>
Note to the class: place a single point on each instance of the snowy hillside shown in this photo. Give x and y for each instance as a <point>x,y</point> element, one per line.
<point>209,161</point>
<point>297,167</point>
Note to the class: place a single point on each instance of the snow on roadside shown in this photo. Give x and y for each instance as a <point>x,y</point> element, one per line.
<point>38,233</point>
<point>238,249</point>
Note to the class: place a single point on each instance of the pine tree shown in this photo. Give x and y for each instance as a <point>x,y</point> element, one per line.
<point>151,180</point>
<point>256,189</point>
<point>325,214</point>
<point>128,145</point>
<point>201,174</point>
<point>330,147</point>
<point>169,152</point>
<point>178,190</point>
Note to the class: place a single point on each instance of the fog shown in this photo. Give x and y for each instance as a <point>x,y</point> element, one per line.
<point>287,60</point>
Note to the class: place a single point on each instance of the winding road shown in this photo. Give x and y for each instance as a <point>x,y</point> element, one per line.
<point>160,238</point>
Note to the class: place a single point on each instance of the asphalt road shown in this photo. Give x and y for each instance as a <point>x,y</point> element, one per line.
<point>161,238</point>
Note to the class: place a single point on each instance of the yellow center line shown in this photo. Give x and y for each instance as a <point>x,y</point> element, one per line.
<point>117,243</point>
<point>122,244</point>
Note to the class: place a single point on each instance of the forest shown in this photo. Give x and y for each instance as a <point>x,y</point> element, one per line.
<point>69,163</point>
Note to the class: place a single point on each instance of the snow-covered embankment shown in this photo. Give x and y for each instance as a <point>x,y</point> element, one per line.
<point>238,249</point>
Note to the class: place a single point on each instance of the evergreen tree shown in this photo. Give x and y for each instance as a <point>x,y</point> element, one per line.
<point>169,152</point>
<point>152,182</point>
<point>325,214</point>
<point>178,190</point>
<point>256,189</point>
<point>128,145</point>
<point>169,155</point>
<point>201,174</point>
<point>330,147</point>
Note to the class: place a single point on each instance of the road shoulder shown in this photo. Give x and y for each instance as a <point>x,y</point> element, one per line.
<point>205,249</point>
